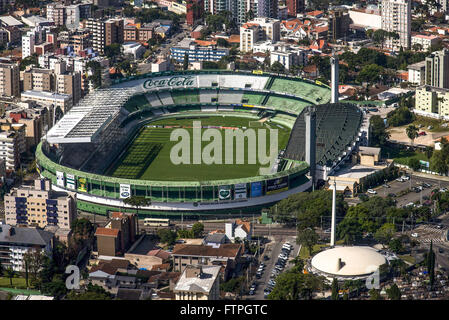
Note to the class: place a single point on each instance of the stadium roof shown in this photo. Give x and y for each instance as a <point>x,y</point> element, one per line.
<point>348,261</point>
<point>89,116</point>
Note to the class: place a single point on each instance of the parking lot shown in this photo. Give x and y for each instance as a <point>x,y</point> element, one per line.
<point>273,250</point>
<point>395,187</point>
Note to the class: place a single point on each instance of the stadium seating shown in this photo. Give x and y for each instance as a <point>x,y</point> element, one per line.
<point>208,96</point>
<point>153,99</point>
<point>337,128</point>
<point>303,89</point>
<point>185,96</point>
<point>230,96</point>
<point>242,81</point>
<point>165,98</point>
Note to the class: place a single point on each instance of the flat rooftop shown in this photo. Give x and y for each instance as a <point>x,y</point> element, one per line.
<point>356,171</point>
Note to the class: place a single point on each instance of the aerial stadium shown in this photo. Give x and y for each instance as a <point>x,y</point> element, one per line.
<point>117,142</point>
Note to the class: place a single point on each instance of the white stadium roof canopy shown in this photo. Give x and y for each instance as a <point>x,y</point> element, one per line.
<point>85,120</point>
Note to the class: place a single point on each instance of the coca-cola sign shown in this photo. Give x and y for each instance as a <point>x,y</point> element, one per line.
<point>175,81</point>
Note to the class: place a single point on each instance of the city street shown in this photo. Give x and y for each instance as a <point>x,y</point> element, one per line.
<point>272,250</point>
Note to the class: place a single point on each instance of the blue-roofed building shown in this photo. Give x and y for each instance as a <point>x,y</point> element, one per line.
<point>197,52</point>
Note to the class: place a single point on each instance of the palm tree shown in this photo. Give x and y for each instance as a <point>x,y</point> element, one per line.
<point>10,273</point>
<point>412,132</point>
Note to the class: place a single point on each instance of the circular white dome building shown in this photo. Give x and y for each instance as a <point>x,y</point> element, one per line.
<point>347,262</point>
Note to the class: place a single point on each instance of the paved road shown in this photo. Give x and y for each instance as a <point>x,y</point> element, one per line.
<point>272,250</point>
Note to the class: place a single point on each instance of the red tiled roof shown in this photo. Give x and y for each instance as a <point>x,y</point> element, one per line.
<point>107,232</point>
<point>159,253</point>
<point>225,250</point>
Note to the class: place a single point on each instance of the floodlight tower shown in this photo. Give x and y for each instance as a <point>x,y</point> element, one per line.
<point>310,121</point>
<point>334,78</point>
<point>334,213</point>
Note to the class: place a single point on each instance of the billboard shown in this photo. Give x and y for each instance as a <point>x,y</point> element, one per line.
<point>125,191</point>
<point>82,184</point>
<point>240,191</point>
<point>70,181</point>
<point>60,179</point>
<point>256,189</point>
<point>224,192</point>
<point>277,185</point>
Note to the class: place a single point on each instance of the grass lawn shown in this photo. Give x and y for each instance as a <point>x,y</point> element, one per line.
<point>408,258</point>
<point>304,252</point>
<point>16,283</point>
<point>402,156</point>
<point>148,156</point>
<point>435,123</point>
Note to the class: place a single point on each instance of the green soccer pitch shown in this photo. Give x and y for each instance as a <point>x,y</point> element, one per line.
<point>147,157</point>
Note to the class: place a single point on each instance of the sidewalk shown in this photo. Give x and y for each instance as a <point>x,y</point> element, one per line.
<point>429,176</point>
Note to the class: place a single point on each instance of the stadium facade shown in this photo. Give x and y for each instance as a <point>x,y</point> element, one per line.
<point>77,151</point>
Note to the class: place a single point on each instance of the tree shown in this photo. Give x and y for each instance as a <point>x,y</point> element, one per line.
<point>308,238</point>
<point>412,132</point>
<point>393,292</point>
<point>374,294</point>
<point>430,262</point>
<point>197,229</point>
<point>167,236</point>
<point>414,164</point>
<point>10,273</point>
<point>137,202</point>
<point>221,42</point>
<point>34,258</point>
<point>429,152</point>
<point>185,64</point>
<point>438,162</point>
<point>295,285</point>
<point>396,246</point>
<point>379,133</point>
<point>93,292</point>
<point>55,288</point>
<point>370,73</point>
<point>334,295</point>
<point>385,233</point>
<point>113,50</point>
<point>277,67</point>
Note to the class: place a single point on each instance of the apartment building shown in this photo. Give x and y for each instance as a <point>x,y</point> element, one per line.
<point>424,42</point>
<point>56,12</point>
<point>40,206</point>
<point>9,79</point>
<point>437,66</point>
<point>417,72</point>
<point>195,10</point>
<point>197,52</point>
<point>198,282</point>
<point>59,100</point>
<point>260,29</point>
<point>12,144</point>
<point>338,22</point>
<point>118,235</point>
<point>58,80</point>
<point>35,120</point>
<point>432,102</point>
<point>15,242</point>
<point>397,17</point>
<point>294,7</point>
<point>105,33</point>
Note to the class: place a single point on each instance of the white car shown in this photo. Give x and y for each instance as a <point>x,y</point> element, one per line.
<point>414,235</point>
<point>371,191</point>
<point>405,178</point>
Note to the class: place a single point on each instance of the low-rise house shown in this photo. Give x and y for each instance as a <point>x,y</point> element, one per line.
<point>238,229</point>
<point>198,282</point>
<point>227,256</point>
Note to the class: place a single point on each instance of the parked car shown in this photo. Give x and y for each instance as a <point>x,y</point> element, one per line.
<point>405,178</point>
<point>422,133</point>
<point>400,179</point>
<point>414,235</point>
<point>371,191</point>
<point>392,195</point>
<point>251,292</point>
